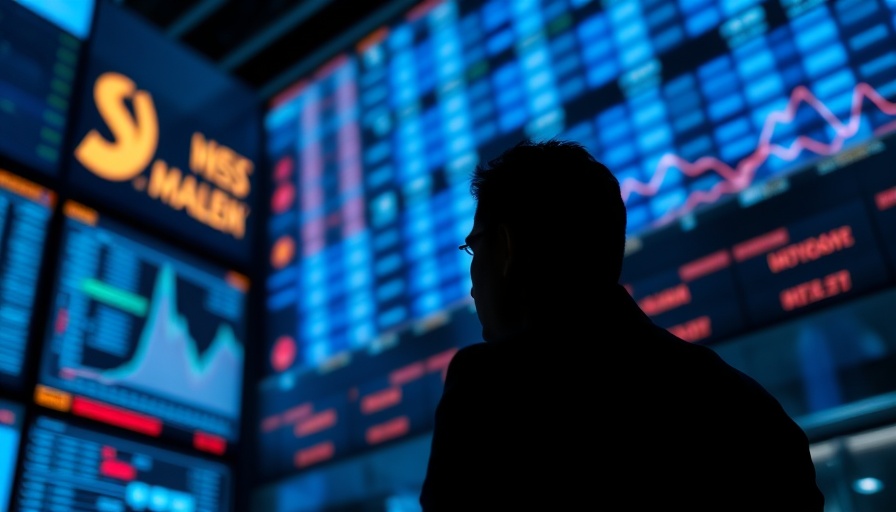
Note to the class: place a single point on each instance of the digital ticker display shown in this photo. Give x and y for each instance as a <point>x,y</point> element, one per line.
<point>825,255</point>
<point>379,398</point>
<point>71,468</point>
<point>10,431</point>
<point>768,116</point>
<point>38,62</point>
<point>25,211</point>
<point>143,336</point>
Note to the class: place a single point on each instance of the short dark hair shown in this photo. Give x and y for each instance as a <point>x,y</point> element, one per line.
<point>555,196</point>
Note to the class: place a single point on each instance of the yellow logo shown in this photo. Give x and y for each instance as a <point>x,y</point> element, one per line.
<point>214,194</point>
<point>136,137</point>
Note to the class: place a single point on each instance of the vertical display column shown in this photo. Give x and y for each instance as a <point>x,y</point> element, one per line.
<point>313,294</point>
<point>335,297</point>
<point>25,210</point>
<point>360,307</point>
<point>378,127</point>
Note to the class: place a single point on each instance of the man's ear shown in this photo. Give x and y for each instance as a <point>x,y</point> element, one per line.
<point>505,239</point>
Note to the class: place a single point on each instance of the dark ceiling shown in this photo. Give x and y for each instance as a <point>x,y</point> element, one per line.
<point>267,43</point>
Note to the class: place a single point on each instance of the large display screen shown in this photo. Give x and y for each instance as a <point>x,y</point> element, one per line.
<point>143,336</point>
<point>10,431</point>
<point>690,103</point>
<point>25,210</point>
<point>768,116</point>
<point>166,138</point>
<point>66,467</point>
<point>38,63</point>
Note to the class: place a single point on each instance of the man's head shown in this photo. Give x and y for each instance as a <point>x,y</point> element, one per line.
<point>549,217</point>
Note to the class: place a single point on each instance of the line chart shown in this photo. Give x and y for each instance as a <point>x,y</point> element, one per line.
<point>739,177</point>
<point>166,361</point>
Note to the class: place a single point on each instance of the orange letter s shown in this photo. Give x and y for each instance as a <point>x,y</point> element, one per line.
<point>135,140</point>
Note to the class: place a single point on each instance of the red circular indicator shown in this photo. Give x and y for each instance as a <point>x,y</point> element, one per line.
<point>284,353</point>
<point>283,169</point>
<point>283,198</point>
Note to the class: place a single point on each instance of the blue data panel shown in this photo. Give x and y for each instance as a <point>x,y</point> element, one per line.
<point>10,431</point>
<point>71,468</point>
<point>25,210</point>
<point>38,66</point>
<point>143,336</point>
<point>364,241</point>
<point>691,104</point>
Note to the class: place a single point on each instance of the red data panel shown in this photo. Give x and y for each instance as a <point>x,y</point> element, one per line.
<point>814,261</point>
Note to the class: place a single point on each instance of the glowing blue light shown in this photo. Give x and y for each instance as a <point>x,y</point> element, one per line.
<point>867,485</point>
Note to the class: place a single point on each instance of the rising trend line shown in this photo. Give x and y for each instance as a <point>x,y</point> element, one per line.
<point>739,177</point>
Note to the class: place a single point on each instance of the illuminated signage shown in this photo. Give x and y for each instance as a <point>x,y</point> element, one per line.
<point>816,290</point>
<point>166,139</point>
<point>813,261</point>
<point>214,192</point>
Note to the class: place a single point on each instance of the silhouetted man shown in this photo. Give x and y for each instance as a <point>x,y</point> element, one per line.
<point>576,400</point>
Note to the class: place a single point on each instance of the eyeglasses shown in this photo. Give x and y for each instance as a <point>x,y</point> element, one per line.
<point>466,247</point>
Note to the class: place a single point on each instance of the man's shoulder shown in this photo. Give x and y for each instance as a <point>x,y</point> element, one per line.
<point>496,363</point>
<point>667,347</point>
<point>474,350</point>
<point>476,356</point>
<point>696,367</point>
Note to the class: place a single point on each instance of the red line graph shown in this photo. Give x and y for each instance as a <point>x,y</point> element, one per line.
<point>741,176</point>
